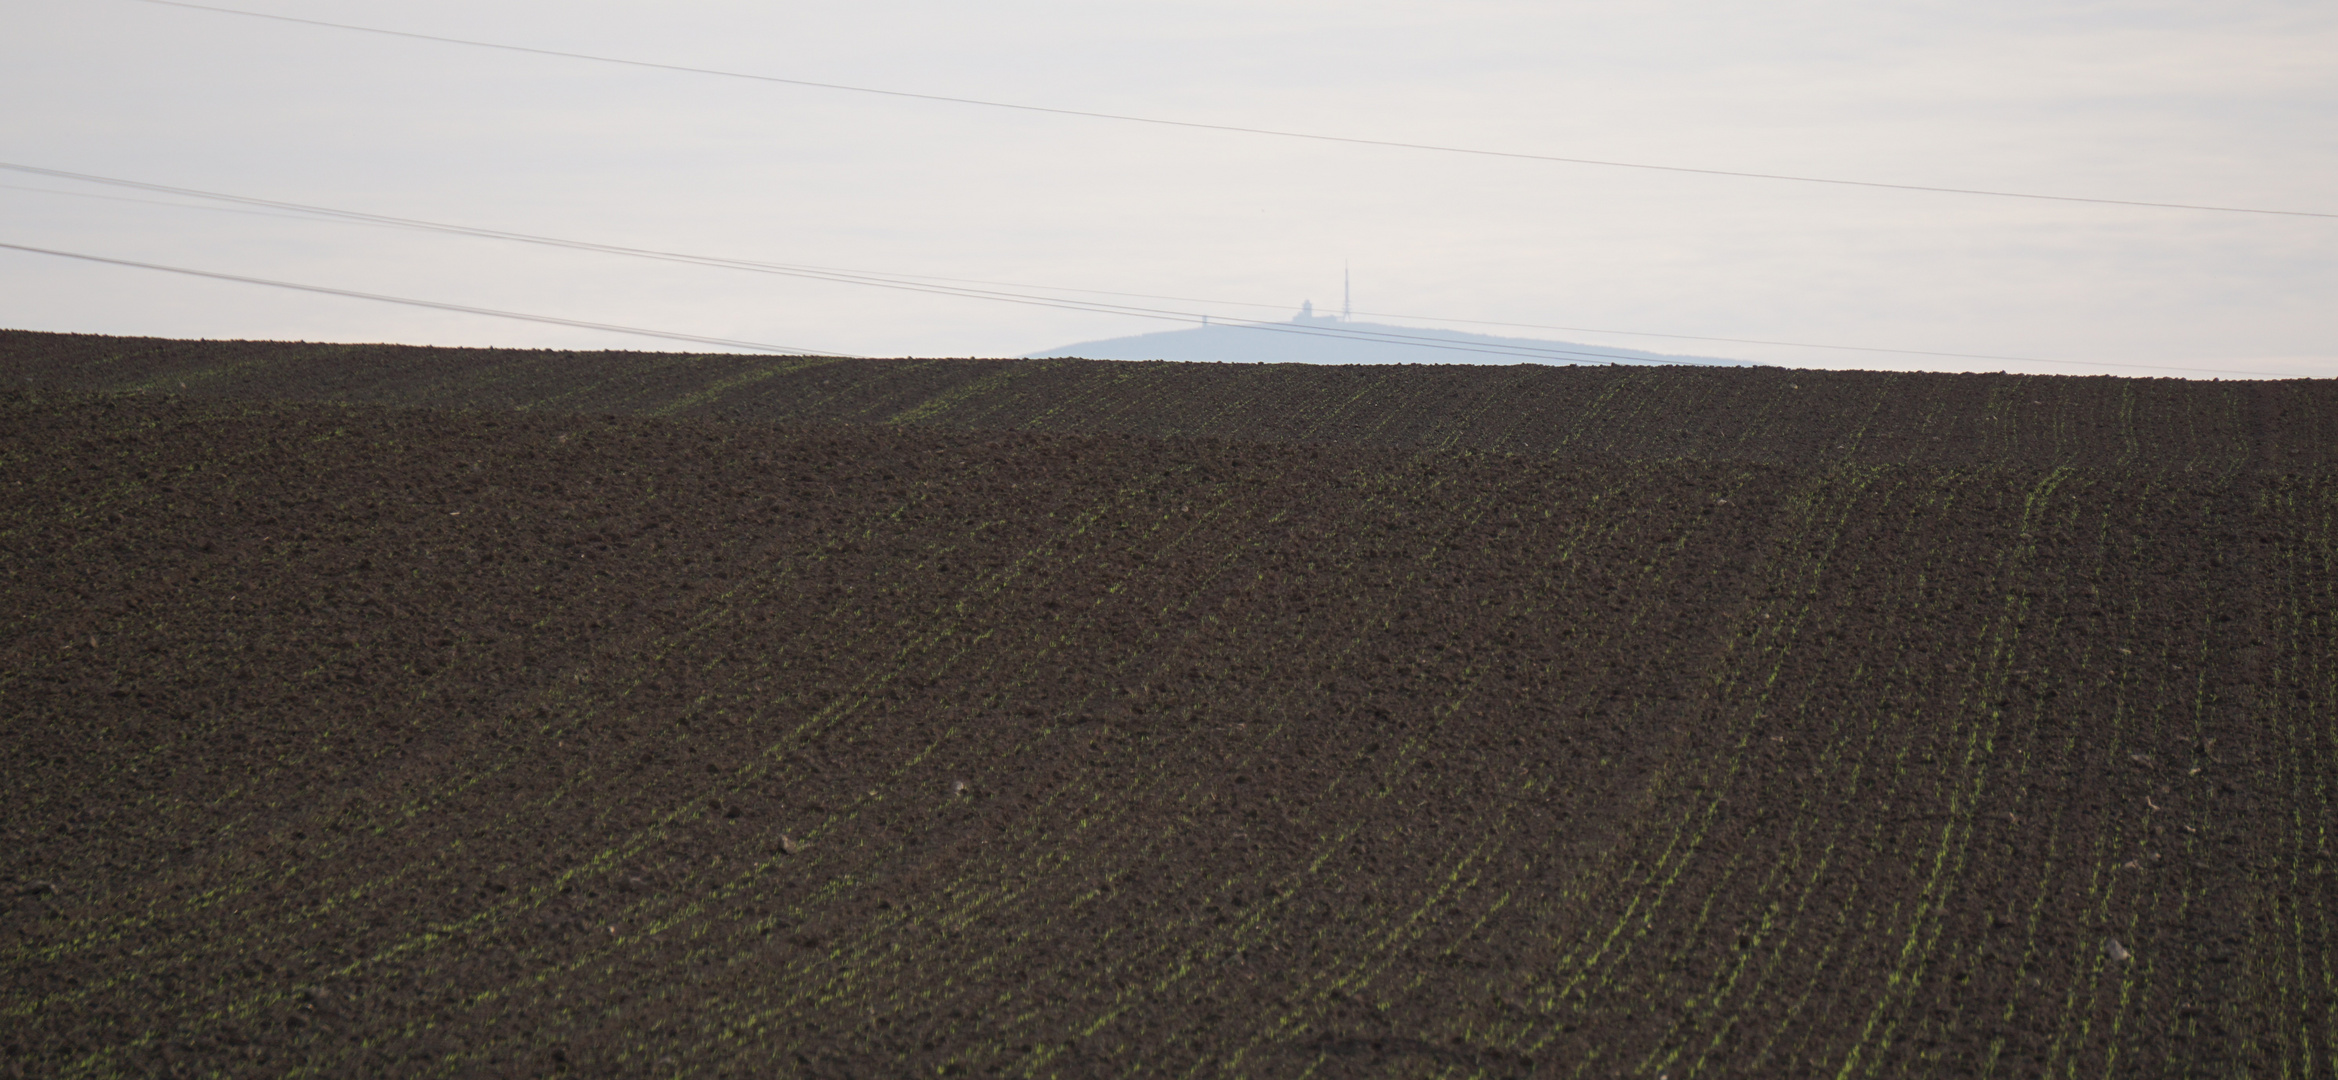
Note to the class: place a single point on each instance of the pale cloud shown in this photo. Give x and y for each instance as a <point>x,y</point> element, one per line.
<point>2228,104</point>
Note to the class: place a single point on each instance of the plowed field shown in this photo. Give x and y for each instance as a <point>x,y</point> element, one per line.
<point>441,712</point>
<point>1798,418</point>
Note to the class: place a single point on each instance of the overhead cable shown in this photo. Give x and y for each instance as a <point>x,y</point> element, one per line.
<point>791,350</point>
<point>923,283</point>
<point>286,216</point>
<point>308,213</point>
<point>312,213</point>
<point>1519,351</point>
<point>1236,128</point>
<point>758,346</point>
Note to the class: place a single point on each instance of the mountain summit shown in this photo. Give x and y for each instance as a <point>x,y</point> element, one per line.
<point>1329,339</point>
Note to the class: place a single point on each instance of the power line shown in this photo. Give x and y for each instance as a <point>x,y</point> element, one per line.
<point>794,351</point>
<point>1150,296</point>
<point>173,205</point>
<point>1525,352</point>
<point>915,283</point>
<point>439,305</point>
<point>1238,129</point>
<point>312,213</point>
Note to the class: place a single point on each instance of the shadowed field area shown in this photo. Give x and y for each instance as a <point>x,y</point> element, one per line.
<point>379,710</point>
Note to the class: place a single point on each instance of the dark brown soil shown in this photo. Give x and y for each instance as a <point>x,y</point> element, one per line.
<point>1799,418</point>
<point>355,739</point>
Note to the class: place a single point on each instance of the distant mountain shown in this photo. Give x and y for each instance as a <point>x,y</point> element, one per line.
<point>1323,339</point>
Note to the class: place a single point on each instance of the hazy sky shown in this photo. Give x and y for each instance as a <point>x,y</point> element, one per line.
<point>2225,103</point>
